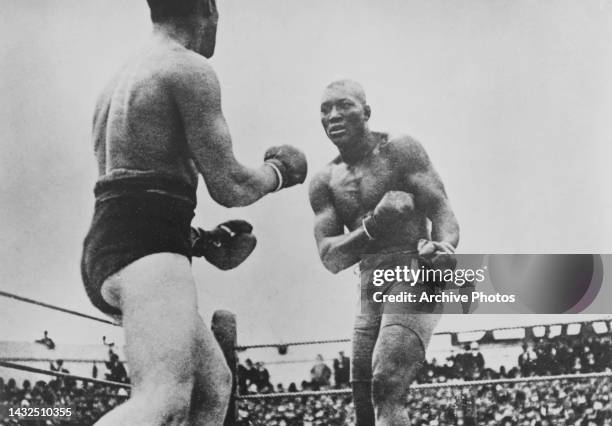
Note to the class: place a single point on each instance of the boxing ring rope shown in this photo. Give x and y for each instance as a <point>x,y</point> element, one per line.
<point>418,386</point>
<point>56,308</point>
<point>22,367</point>
<point>298,343</point>
<point>71,360</point>
<point>421,386</point>
<point>223,325</point>
<point>347,340</point>
<point>264,345</point>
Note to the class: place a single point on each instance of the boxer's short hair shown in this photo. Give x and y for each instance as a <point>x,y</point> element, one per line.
<point>164,9</point>
<point>352,86</point>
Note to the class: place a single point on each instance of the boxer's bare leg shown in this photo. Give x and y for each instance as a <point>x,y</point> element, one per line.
<point>398,357</point>
<point>365,333</point>
<point>213,380</point>
<point>157,297</point>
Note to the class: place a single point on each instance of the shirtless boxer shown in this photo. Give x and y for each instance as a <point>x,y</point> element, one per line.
<point>157,125</point>
<point>383,190</point>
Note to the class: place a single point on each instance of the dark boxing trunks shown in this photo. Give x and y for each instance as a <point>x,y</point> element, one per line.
<point>134,216</point>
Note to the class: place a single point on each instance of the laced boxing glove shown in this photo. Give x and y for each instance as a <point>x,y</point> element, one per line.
<point>289,164</point>
<point>226,246</point>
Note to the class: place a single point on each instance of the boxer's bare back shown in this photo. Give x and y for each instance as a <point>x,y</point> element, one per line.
<point>136,119</point>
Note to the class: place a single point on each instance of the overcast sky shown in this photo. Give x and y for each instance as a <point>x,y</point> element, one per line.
<point>512,100</point>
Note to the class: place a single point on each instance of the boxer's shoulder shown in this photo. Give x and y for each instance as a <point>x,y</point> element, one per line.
<point>324,174</point>
<point>189,73</point>
<point>185,62</point>
<point>320,180</point>
<point>319,186</point>
<point>406,148</point>
<point>167,64</point>
<point>400,142</point>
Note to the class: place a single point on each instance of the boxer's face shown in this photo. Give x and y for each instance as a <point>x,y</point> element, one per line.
<point>343,115</point>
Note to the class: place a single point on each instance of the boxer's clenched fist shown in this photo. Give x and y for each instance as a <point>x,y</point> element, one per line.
<point>289,163</point>
<point>437,254</point>
<point>226,246</point>
<point>395,208</point>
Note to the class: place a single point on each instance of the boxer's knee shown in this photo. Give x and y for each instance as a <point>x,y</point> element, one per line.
<point>177,406</point>
<point>398,357</point>
<point>220,394</point>
<point>212,392</point>
<point>387,388</point>
<point>171,401</point>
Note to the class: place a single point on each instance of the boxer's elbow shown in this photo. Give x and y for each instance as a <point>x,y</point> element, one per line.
<point>233,193</point>
<point>330,260</point>
<point>445,227</point>
<point>233,185</point>
<point>456,236</point>
<point>232,197</point>
<point>453,234</point>
<point>332,266</point>
<point>224,197</point>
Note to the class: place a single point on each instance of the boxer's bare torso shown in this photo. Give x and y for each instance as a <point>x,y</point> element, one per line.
<point>137,122</point>
<point>355,189</point>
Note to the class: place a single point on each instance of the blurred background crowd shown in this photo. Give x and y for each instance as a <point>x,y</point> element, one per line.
<point>582,402</point>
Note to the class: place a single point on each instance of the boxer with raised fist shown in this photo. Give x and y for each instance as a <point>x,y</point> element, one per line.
<point>394,207</point>
<point>157,125</point>
<point>374,205</point>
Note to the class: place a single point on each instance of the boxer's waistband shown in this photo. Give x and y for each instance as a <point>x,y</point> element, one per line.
<point>390,257</point>
<point>109,187</point>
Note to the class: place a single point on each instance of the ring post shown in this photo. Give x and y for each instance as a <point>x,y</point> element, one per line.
<point>223,326</point>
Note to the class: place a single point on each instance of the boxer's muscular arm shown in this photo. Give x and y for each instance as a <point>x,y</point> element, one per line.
<point>231,184</point>
<point>425,183</point>
<point>337,250</point>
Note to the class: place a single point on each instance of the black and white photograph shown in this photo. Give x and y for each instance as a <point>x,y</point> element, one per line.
<point>268,212</point>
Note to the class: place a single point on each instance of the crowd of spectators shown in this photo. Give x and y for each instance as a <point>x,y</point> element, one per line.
<point>566,354</point>
<point>466,365</point>
<point>560,402</point>
<point>88,402</point>
<point>253,378</point>
<point>584,402</point>
<point>550,403</point>
<point>332,410</point>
